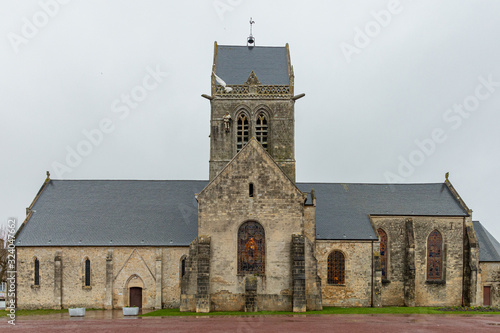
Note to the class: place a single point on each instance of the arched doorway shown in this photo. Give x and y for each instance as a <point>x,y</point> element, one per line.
<point>133,289</point>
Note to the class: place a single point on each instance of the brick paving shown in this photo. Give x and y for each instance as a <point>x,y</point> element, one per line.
<point>113,321</point>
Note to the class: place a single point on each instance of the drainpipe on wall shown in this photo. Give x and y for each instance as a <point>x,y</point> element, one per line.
<point>464,262</point>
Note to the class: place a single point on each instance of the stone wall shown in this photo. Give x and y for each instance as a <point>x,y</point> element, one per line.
<point>297,257</point>
<point>401,258</point>
<point>313,281</point>
<point>489,277</point>
<point>223,300</point>
<point>156,270</point>
<point>189,282</point>
<point>471,264</point>
<point>357,290</point>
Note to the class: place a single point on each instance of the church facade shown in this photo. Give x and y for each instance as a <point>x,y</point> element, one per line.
<point>251,238</point>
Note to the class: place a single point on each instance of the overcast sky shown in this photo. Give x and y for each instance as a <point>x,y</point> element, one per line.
<point>395,91</point>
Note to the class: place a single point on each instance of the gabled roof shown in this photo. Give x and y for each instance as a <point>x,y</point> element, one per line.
<point>254,145</point>
<point>489,247</point>
<point>233,64</point>
<point>114,213</point>
<point>164,213</point>
<point>343,210</point>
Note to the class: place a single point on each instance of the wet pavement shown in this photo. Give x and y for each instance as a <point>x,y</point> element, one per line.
<point>114,321</point>
<point>89,315</point>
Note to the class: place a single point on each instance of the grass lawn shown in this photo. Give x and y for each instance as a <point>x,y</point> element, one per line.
<point>326,310</point>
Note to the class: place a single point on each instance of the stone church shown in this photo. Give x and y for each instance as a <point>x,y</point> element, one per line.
<point>251,238</point>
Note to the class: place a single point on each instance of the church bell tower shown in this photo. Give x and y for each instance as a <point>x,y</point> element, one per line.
<point>252,96</point>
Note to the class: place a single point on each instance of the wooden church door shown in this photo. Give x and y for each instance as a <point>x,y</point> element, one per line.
<point>136,296</point>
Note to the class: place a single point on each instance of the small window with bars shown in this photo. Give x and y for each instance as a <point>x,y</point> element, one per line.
<point>183,267</point>
<point>242,132</point>
<point>87,272</point>
<point>36,275</point>
<point>261,129</point>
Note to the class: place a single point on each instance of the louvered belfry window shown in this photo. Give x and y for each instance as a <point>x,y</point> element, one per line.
<point>251,248</point>
<point>383,252</point>
<point>435,256</point>
<point>261,129</point>
<point>336,268</point>
<point>242,132</point>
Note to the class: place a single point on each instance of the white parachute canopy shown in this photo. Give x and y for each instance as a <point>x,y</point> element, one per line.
<point>222,83</point>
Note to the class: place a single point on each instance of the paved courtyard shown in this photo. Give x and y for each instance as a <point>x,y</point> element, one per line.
<point>113,321</point>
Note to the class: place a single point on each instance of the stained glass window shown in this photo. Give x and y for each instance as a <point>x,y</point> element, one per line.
<point>261,130</point>
<point>336,268</point>
<point>36,278</point>
<point>251,248</point>
<point>87,272</point>
<point>383,252</point>
<point>434,256</point>
<point>242,132</point>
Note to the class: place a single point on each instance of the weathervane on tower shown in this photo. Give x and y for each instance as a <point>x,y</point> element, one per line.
<point>251,39</point>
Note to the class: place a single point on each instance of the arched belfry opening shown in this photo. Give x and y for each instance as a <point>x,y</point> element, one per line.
<point>243,131</point>
<point>261,129</point>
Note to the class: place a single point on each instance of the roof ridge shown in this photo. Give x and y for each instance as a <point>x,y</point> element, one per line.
<point>130,180</point>
<point>388,184</point>
<point>206,180</point>
<point>260,46</point>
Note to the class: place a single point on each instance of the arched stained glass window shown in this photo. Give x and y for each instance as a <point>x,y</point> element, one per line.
<point>383,253</point>
<point>336,268</point>
<point>242,132</point>
<point>251,248</point>
<point>435,256</point>
<point>87,272</point>
<point>261,129</point>
<point>36,275</point>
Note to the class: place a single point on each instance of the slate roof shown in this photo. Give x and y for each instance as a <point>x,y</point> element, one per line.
<point>489,247</point>
<point>114,213</point>
<point>235,63</point>
<point>342,210</point>
<point>164,213</point>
